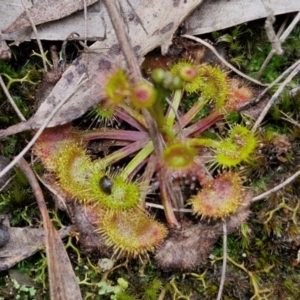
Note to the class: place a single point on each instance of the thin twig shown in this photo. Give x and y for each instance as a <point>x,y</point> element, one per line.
<point>11,100</point>
<point>136,75</point>
<point>85,22</point>
<point>53,191</point>
<point>276,188</point>
<point>6,183</point>
<point>136,16</point>
<point>290,28</point>
<point>271,53</point>
<point>55,250</point>
<point>223,60</point>
<point>123,39</point>
<point>282,39</point>
<point>289,119</point>
<point>36,189</point>
<point>176,116</point>
<point>159,206</point>
<point>285,73</point>
<point>274,40</point>
<point>36,35</point>
<point>275,97</point>
<point>223,275</point>
<point>134,69</point>
<point>44,125</point>
<point>293,92</point>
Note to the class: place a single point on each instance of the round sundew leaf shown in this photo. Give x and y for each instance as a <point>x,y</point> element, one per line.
<point>178,156</point>
<point>244,139</point>
<point>187,72</point>
<point>74,171</point>
<point>239,94</point>
<point>132,231</point>
<point>213,84</point>
<point>219,197</point>
<point>50,143</point>
<point>143,95</point>
<point>238,147</point>
<point>121,194</point>
<point>117,87</point>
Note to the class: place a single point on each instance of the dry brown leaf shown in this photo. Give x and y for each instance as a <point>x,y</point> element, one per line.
<point>160,18</point>
<point>23,243</point>
<point>62,279</point>
<point>5,52</point>
<point>47,10</point>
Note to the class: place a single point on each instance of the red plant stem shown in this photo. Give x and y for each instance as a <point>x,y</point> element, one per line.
<point>115,134</point>
<point>166,201</point>
<point>137,169</point>
<point>131,116</point>
<point>124,152</point>
<point>188,117</point>
<point>147,175</point>
<point>203,124</point>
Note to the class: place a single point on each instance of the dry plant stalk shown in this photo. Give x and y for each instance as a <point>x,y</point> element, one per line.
<point>62,280</point>
<point>11,100</point>
<point>275,96</point>
<point>36,35</point>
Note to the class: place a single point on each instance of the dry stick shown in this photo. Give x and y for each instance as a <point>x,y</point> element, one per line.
<point>133,67</point>
<point>275,42</point>
<point>11,100</point>
<point>290,28</point>
<point>53,191</point>
<point>44,125</point>
<point>223,60</point>
<point>6,183</point>
<point>136,16</point>
<point>159,206</point>
<point>51,238</point>
<point>294,91</point>
<point>123,39</point>
<point>274,97</point>
<point>36,190</point>
<point>36,35</point>
<point>276,188</point>
<point>271,53</point>
<point>289,119</point>
<point>85,22</point>
<point>223,275</point>
<point>286,72</point>
<point>282,39</point>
